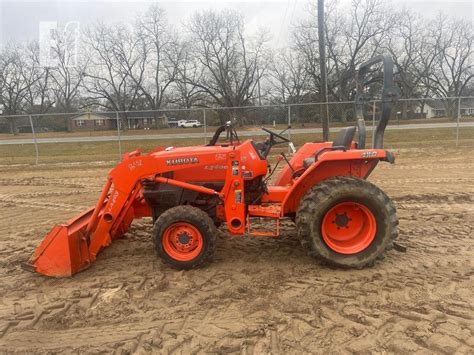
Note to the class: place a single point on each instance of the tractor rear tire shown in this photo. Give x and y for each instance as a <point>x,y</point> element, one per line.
<point>184,237</point>
<point>346,222</point>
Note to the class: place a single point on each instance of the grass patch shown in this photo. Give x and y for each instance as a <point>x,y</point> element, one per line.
<point>108,151</point>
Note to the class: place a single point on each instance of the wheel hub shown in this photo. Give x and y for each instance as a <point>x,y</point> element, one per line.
<point>184,238</point>
<point>348,228</point>
<point>342,220</point>
<point>182,241</point>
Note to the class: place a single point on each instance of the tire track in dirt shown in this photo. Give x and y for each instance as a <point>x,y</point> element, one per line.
<point>39,181</point>
<point>434,198</point>
<point>14,201</point>
<point>259,295</point>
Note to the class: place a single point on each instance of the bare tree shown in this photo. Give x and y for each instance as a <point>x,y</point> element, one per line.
<point>156,44</point>
<point>352,36</point>
<point>405,45</point>
<point>39,96</point>
<point>116,70</point>
<point>452,70</point>
<point>189,72</point>
<point>232,64</point>
<point>17,78</point>
<point>411,56</point>
<point>68,75</point>
<point>288,77</point>
<point>216,63</point>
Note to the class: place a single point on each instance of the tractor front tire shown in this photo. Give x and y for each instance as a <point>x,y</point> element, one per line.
<point>346,222</point>
<point>184,237</point>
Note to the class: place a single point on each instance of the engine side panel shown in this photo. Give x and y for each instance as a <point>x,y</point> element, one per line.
<point>209,163</point>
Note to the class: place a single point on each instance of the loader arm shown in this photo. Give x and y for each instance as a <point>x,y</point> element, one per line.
<point>73,246</point>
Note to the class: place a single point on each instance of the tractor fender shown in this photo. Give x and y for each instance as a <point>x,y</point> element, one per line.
<point>358,163</point>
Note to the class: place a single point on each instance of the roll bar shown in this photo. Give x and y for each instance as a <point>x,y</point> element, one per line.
<point>231,133</point>
<point>389,94</point>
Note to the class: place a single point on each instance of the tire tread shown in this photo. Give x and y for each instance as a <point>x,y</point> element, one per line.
<point>327,190</point>
<point>186,213</point>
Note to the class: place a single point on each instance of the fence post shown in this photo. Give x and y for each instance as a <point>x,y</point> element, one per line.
<point>289,129</point>
<point>205,125</point>
<point>34,140</point>
<point>457,121</point>
<point>373,122</point>
<point>118,136</point>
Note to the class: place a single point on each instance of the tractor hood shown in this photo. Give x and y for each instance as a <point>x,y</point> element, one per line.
<point>209,163</point>
<point>181,152</point>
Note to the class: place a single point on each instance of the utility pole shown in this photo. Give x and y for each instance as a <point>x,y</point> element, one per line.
<point>258,88</point>
<point>322,67</point>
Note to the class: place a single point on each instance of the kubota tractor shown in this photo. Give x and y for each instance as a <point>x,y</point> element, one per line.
<point>341,218</point>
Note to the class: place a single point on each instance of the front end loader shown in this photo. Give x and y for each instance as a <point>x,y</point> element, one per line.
<point>341,218</point>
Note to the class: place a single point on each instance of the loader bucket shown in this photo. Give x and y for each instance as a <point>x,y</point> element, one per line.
<point>64,251</point>
<point>71,247</point>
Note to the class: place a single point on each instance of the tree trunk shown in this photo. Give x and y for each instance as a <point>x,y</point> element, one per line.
<point>454,113</point>
<point>67,127</point>
<point>222,116</point>
<point>422,109</point>
<point>156,121</point>
<point>13,129</point>
<point>124,121</point>
<point>451,107</point>
<point>404,110</point>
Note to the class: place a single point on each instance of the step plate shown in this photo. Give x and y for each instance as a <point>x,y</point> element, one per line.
<point>272,233</point>
<point>270,210</point>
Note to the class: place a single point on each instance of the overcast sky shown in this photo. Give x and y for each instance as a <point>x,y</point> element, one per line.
<point>19,20</point>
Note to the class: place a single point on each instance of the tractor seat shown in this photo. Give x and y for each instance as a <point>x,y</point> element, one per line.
<point>344,139</point>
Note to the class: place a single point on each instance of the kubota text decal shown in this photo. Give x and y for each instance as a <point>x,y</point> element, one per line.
<point>181,161</point>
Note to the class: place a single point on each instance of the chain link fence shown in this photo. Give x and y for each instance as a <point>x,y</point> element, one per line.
<point>81,136</point>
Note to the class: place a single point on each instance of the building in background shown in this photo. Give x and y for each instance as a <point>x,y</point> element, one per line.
<point>91,122</point>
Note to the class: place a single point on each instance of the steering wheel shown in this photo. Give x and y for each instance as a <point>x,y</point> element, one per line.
<point>275,135</point>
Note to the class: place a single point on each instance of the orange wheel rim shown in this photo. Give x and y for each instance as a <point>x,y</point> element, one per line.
<point>348,228</point>
<point>182,241</point>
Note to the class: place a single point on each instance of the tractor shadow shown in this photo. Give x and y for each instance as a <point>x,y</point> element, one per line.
<point>270,250</point>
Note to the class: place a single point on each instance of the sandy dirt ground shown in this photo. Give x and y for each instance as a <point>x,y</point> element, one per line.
<point>259,295</point>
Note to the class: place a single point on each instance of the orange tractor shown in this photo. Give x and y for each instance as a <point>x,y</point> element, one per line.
<point>341,219</point>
